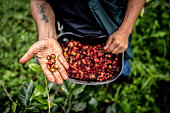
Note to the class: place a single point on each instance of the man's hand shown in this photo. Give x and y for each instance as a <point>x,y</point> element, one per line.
<point>46,47</point>
<point>117,42</point>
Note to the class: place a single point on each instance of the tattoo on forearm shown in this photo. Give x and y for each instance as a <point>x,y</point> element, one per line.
<point>42,11</point>
<point>44,17</point>
<point>42,8</point>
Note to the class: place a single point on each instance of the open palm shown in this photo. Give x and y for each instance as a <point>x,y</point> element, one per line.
<point>43,48</point>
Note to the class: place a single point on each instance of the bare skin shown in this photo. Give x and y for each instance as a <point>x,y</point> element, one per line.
<point>47,44</point>
<point>118,41</point>
<point>43,48</point>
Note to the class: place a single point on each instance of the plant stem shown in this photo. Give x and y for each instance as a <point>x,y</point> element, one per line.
<point>9,96</point>
<point>70,103</point>
<point>25,110</point>
<point>47,94</point>
<point>65,103</point>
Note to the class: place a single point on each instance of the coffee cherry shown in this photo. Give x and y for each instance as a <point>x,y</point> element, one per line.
<point>53,56</point>
<point>73,53</point>
<point>110,67</point>
<point>88,62</point>
<point>48,57</point>
<point>49,62</point>
<point>52,69</point>
<point>56,67</point>
<point>53,61</point>
<point>48,66</point>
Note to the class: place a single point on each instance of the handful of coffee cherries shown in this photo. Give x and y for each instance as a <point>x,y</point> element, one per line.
<point>51,63</point>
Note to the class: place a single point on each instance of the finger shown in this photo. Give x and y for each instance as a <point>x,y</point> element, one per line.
<point>118,50</point>
<point>63,61</point>
<point>112,46</point>
<point>48,74</point>
<point>57,76</point>
<point>62,70</point>
<point>109,41</point>
<point>28,55</point>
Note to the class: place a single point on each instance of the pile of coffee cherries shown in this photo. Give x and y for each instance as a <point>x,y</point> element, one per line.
<point>89,63</point>
<point>51,63</point>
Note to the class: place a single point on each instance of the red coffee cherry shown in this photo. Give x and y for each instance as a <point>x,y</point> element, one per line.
<point>48,66</point>
<point>56,66</point>
<point>53,61</point>
<point>48,57</point>
<point>49,62</point>
<point>52,69</point>
<point>89,62</point>
<point>53,56</point>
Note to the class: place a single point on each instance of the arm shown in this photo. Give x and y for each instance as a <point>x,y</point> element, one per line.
<point>118,41</point>
<point>47,44</point>
<point>44,18</point>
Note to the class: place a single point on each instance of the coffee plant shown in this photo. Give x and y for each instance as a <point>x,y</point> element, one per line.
<point>24,88</point>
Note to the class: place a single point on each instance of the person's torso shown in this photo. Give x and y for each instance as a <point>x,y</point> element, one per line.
<point>76,17</point>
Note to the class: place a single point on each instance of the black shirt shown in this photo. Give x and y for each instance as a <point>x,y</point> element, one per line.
<point>76,17</point>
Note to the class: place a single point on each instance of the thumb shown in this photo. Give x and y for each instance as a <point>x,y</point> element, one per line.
<point>109,41</point>
<point>28,55</point>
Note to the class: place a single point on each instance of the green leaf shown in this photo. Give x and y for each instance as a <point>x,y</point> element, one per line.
<point>43,101</point>
<point>14,106</point>
<point>79,106</point>
<point>6,107</point>
<point>93,102</point>
<point>77,89</point>
<point>35,67</point>
<point>36,104</point>
<point>142,12</point>
<point>59,99</point>
<point>34,108</point>
<point>148,1</point>
<point>38,91</point>
<point>69,85</point>
<point>63,87</point>
<point>52,104</point>
<point>111,109</point>
<point>146,83</point>
<point>26,93</point>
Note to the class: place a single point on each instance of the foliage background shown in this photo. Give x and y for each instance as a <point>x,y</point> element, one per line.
<point>145,90</point>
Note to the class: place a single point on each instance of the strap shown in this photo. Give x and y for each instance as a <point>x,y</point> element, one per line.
<point>101,17</point>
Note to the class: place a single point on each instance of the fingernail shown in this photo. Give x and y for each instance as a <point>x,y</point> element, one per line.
<point>67,66</point>
<point>60,82</point>
<point>51,80</point>
<point>65,77</point>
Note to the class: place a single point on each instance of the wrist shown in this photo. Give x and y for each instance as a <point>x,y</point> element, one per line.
<point>46,36</point>
<point>126,29</point>
<point>123,32</point>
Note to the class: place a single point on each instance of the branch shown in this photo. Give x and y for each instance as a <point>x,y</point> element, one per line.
<point>47,94</point>
<point>9,96</point>
<point>65,103</point>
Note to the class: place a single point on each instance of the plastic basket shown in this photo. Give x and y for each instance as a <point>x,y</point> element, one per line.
<point>92,41</point>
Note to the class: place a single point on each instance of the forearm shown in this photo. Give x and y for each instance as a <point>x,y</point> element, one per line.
<point>132,11</point>
<point>44,18</point>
